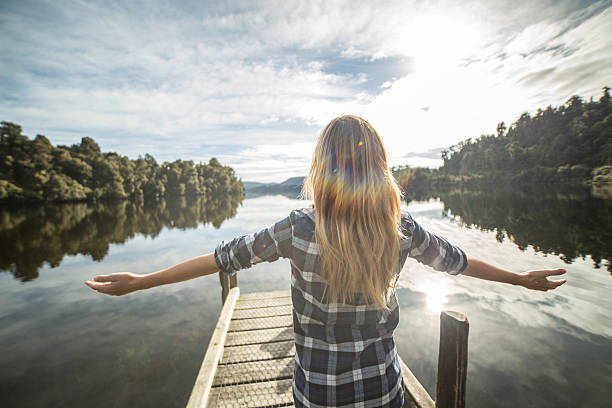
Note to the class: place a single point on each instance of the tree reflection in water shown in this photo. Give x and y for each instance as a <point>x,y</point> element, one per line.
<point>569,222</point>
<point>33,235</point>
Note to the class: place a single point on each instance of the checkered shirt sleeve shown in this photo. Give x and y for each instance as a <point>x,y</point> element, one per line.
<point>431,249</point>
<point>245,251</point>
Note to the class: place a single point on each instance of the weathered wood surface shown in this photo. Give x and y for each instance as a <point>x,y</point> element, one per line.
<point>259,323</point>
<point>262,312</point>
<point>276,393</point>
<point>257,363</point>
<point>452,360</point>
<point>249,362</point>
<point>230,374</point>
<point>258,352</point>
<point>265,295</point>
<point>415,395</point>
<point>266,302</point>
<point>259,336</point>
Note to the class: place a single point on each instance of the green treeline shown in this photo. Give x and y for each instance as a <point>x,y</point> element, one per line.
<point>35,170</point>
<point>569,143</point>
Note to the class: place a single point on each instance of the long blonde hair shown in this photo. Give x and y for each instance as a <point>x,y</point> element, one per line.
<point>357,205</point>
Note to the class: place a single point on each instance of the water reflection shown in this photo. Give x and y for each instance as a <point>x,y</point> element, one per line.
<point>436,295</point>
<point>64,343</point>
<point>33,235</point>
<point>568,222</point>
<point>525,346</point>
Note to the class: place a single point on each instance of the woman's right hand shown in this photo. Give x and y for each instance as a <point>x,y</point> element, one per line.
<point>116,284</point>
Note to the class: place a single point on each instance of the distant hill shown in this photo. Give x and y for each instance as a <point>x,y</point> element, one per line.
<point>289,188</point>
<point>252,184</point>
<point>294,181</point>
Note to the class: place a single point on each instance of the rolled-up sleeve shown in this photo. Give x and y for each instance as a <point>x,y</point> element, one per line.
<point>244,251</point>
<point>435,251</point>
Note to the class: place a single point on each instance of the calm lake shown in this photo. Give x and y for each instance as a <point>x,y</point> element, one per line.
<point>64,345</point>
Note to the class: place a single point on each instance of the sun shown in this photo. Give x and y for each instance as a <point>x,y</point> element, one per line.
<point>436,295</point>
<point>440,41</point>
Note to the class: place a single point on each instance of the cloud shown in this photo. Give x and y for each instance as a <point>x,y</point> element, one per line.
<point>265,162</point>
<point>198,79</point>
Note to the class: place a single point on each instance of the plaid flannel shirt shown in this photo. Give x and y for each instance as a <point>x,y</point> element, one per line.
<point>345,353</point>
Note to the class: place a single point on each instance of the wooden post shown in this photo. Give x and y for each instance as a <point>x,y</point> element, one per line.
<point>452,360</point>
<point>227,283</point>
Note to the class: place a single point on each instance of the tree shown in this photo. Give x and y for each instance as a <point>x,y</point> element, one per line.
<point>604,100</point>
<point>501,129</point>
<point>565,143</point>
<point>35,170</point>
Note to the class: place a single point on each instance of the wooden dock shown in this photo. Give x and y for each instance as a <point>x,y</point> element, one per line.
<point>249,360</point>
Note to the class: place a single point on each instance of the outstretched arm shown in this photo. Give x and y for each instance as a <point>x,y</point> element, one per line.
<point>240,253</point>
<point>536,280</point>
<point>117,284</point>
<point>437,252</point>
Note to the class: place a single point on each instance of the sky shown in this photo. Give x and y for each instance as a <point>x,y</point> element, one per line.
<point>252,83</point>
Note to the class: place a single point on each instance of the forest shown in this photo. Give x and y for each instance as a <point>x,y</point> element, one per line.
<point>35,170</point>
<point>570,143</point>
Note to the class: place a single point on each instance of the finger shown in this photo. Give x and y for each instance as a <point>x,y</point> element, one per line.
<point>543,273</point>
<point>106,278</point>
<point>95,285</point>
<point>92,284</point>
<point>556,283</point>
<point>553,272</point>
<point>100,287</point>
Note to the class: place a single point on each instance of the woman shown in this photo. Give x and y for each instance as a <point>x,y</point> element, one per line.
<point>346,253</point>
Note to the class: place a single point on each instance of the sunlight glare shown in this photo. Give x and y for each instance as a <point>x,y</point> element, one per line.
<point>436,295</point>
<point>440,41</point>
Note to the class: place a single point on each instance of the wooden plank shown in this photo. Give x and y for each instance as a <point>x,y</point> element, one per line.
<point>414,393</point>
<point>258,352</point>
<point>262,312</point>
<point>256,303</point>
<point>452,360</point>
<point>204,380</point>
<point>231,374</point>
<point>260,394</point>
<point>259,336</point>
<point>261,323</point>
<point>265,295</point>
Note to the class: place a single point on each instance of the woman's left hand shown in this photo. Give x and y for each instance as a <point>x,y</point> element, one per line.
<point>115,284</point>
